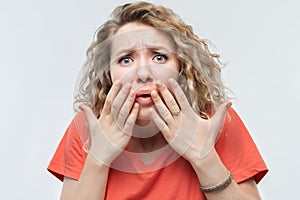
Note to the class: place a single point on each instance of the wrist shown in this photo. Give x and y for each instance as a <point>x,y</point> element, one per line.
<point>210,169</point>
<point>202,164</point>
<point>93,160</point>
<point>218,187</point>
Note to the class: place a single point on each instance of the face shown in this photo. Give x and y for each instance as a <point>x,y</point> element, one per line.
<point>142,55</point>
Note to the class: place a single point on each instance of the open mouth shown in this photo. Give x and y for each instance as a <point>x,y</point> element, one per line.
<point>143,97</point>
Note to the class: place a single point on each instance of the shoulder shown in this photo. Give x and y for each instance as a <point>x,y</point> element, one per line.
<point>70,155</point>
<point>238,150</point>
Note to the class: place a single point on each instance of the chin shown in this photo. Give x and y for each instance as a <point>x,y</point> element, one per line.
<point>143,118</point>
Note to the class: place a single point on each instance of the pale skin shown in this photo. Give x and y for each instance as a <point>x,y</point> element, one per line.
<point>121,111</point>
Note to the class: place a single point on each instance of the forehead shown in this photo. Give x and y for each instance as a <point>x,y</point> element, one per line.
<point>138,36</point>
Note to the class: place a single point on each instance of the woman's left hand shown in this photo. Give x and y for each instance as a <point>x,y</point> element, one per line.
<point>186,132</point>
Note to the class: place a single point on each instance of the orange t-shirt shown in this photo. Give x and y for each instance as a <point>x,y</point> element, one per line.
<point>177,180</point>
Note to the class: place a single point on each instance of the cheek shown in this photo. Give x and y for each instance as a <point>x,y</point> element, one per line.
<point>163,73</point>
<point>124,75</point>
<point>115,74</point>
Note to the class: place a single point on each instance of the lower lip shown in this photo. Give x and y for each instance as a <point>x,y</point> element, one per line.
<point>144,100</point>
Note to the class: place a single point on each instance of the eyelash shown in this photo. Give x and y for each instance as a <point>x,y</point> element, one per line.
<point>155,56</point>
<point>162,55</point>
<point>123,58</point>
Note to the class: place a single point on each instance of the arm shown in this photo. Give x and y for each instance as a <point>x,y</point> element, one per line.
<point>93,178</point>
<point>194,138</point>
<point>211,171</point>
<point>108,138</point>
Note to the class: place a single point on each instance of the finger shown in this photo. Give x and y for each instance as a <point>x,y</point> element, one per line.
<point>130,122</point>
<point>110,97</point>
<point>219,118</point>
<point>168,98</point>
<point>126,108</point>
<point>119,100</point>
<point>162,109</point>
<point>161,125</point>
<point>89,115</point>
<point>179,95</point>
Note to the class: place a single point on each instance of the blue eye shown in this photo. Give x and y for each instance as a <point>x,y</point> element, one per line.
<point>125,60</point>
<point>160,58</point>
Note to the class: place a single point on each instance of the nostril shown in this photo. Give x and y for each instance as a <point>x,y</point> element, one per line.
<point>145,79</point>
<point>143,74</point>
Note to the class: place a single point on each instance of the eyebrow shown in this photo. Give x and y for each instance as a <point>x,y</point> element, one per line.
<point>133,48</point>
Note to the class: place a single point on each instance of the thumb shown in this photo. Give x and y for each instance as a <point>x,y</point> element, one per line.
<point>219,118</point>
<point>89,115</point>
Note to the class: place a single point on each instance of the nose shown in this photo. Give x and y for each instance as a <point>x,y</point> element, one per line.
<point>143,73</point>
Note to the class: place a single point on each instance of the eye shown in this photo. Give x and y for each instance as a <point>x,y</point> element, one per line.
<point>160,58</point>
<point>125,60</point>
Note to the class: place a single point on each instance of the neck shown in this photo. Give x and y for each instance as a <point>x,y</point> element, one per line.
<point>145,145</point>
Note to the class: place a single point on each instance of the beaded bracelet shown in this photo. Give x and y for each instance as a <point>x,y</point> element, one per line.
<point>226,182</point>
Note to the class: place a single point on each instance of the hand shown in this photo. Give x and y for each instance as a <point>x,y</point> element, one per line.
<point>186,132</point>
<point>111,133</point>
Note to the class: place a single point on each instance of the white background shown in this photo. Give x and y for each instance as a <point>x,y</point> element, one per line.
<point>42,47</point>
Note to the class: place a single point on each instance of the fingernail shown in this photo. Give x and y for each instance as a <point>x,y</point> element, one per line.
<point>228,104</point>
<point>132,93</point>
<point>159,84</point>
<point>117,83</point>
<point>172,82</point>
<point>127,86</point>
<point>80,107</point>
<point>154,94</point>
<point>136,106</point>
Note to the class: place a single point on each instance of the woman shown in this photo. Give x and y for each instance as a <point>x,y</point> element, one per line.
<point>158,123</point>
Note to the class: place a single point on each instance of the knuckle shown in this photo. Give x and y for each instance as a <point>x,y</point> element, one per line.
<point>165,114</point>
<point>109,102</point>
<point>115,106</point>
<point>170,102</point>
<point>164,129</point>
<point>129,123</point>
<point>181,97</point>
<point>122,113</point>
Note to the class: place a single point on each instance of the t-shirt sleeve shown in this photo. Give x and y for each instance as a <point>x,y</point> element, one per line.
<point>238,151</point>
<point>69,158</point>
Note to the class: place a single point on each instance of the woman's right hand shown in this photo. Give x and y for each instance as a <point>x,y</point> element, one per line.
<point>111,133</point>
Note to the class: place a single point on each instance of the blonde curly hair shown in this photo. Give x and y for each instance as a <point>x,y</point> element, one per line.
<point>200,69</point>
